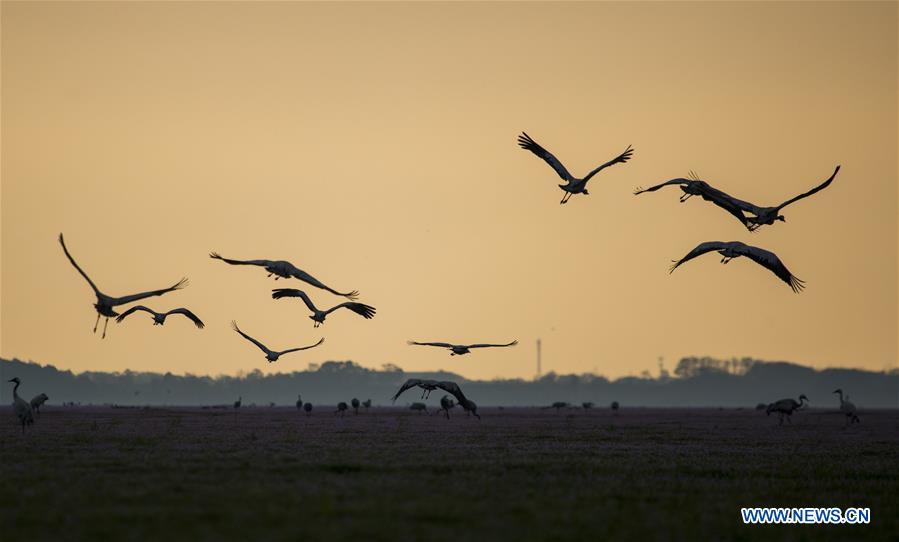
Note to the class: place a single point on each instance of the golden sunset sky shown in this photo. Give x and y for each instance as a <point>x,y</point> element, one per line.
<point>373,145</point>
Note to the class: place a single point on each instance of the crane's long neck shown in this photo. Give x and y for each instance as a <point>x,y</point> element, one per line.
<point>15,394</point>
<point>840,393</point>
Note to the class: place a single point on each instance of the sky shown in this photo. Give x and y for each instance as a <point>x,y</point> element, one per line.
<point>374,146</point>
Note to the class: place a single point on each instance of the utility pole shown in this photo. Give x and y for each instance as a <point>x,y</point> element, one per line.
<point>538,358</point>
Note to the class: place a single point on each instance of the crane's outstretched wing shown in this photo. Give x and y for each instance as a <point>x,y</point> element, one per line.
<point>409,384</point>
<point>700,249</point>
<point>820,187</point>
<point>261,263</point>
<point>513,343</point>
<point>620,159</point>
<point>639,190</point>
<point>361,309</point>
<point>136,297</point>
<point>71,259</point>
<point>726,202</point>
<point>525,142</point>
<point>251,339</point>
<point>298,273</point>
<point>770,261</point>
<point>193,317</point>
<point>442,345</point>
<point>279,293</point>
<point>304,347</point>
<point>132,310</point>
<point>454,390</point>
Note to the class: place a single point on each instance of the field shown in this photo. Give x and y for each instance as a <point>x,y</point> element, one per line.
<point>87,473</point>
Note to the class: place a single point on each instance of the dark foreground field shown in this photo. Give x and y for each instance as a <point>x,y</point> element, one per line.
<point>391,474</point>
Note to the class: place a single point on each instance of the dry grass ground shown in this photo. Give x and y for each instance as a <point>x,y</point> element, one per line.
<point>518,474</point>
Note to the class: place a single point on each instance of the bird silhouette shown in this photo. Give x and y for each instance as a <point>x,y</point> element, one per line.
<point>21,407</point>
<point>786,407</point>
<point>105,303</point>
<point>573,185</point>
<point>766,216</point>
<point>462,349</point>
<point>286,270</point>
<point>735,249</point>
<point>694,186</point>
<point>318,316</point>
<point>159,317</point>
<point>451,387</point>
<point>272,355</point>
<point>847,408</point>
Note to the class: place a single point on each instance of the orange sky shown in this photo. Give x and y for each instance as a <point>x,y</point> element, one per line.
<point>373,145</point>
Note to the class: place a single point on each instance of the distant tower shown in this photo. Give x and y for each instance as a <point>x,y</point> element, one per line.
<point>538,358</point>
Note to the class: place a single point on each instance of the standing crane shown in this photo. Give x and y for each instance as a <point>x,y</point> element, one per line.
<point>286,270</point>
<point>355,403</point>
<point>572,185</point>
<point>786,407</point>
<point>20,406</point>
<point>37,402</point>
<point>847,408</point>
<point>318,316</point>
<point>307,407</point>
<point>446,404</point>
<point>341,408</point>
<point>105,303</point>
<point>299,402</point>
<point>238,402</point>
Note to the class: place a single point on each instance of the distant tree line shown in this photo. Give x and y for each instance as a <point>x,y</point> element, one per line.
<point>696,381</point>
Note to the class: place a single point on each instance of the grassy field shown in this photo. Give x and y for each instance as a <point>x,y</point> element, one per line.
<point>391,474</point>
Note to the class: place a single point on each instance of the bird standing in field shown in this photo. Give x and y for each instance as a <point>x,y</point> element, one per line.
<point>286,270</point>
<point>270,354</point>
<point>786,407</point>
<point>366,404</point>
<point>341,408</point>
<point>355,403</point>
<point>299,402</point>
<point>419,407</point>
<point>318,316</point>
<point>21,407</point>
<point>735,249</point>
<point>105,303</point>
<point>462,349</point>
<point>307,407</point>
<point>847,408</point>
<point>766,216</point>
<point>572,185</point>
<point>446,404</point>
<point>37,402</point>
<point>159,317</point>
<point>238,402</point>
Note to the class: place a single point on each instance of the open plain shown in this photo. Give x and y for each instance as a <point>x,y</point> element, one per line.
<point>94,473</point>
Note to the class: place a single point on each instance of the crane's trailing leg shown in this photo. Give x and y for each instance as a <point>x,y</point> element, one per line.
<point>685,197</point>
<point>105,323</point>
<point>97,323</point>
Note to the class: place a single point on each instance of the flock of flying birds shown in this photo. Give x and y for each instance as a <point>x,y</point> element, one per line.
<point>750,215</point>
